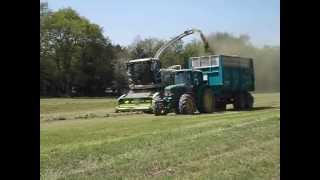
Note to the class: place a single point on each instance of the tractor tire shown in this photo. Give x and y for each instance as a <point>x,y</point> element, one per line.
<point>221,106</point>
<point>240,102</point>
<point>249,101</point>
<point>207,105</point>
<point>187,104</point>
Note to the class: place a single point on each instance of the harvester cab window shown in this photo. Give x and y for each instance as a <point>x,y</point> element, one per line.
<point>140,72</point>
<point>155,66</point>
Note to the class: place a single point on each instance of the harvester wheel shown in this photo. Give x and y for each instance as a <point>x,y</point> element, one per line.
<point>187,104</point>
<point>208,101</point>
<point>157,110</point>
<point>240,102</point>
<point>249,101</point>
<point>158,106</point>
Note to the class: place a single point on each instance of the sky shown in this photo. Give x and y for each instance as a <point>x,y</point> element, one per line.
<point>123,20</point>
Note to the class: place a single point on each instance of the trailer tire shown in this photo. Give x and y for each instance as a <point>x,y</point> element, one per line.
<point>221,106</point>
<point>240,101</point>
<point>249,101</point>
<point>187,104</point>
<point>208,101</point>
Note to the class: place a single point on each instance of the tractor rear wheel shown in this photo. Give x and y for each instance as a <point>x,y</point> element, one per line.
<point>187,104</point>
<point>240,102</point>
<point>207,101</point>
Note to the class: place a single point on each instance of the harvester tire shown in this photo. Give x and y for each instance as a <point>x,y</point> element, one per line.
<point>157,111</point>
<point>187,104</point>
<point>240,102</point>
<point>156,107</point>
<point>249,101</point>
<point>208,101</point>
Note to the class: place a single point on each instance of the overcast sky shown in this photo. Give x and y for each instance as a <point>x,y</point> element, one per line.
<point>124,20</point>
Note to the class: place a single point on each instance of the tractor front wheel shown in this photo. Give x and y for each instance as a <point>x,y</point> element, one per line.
<point>187,104</point>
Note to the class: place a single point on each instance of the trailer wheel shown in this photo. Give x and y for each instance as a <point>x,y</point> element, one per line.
<point>187,104</point>
<point>249,101</point>
<point>221,106</point>
<point>207,101</point>
<point>240,102</point>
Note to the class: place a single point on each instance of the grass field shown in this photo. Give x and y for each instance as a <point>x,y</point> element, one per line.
<point>85,139</point>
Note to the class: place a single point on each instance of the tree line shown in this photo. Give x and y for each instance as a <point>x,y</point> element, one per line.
<point>76,59</point>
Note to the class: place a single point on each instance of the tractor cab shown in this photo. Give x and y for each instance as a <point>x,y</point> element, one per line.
<point>188,77</point>
<point>187,94</point>
<point>185,80</point>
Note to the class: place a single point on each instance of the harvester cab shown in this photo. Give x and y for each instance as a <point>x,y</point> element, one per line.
<point>143,72</point>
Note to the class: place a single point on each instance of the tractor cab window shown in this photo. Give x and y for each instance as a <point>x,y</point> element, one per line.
<point>183,77</point>
<point>167,77</point>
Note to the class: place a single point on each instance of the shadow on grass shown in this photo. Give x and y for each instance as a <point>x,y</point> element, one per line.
<point>256,108</point>
<point>229,110</point>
